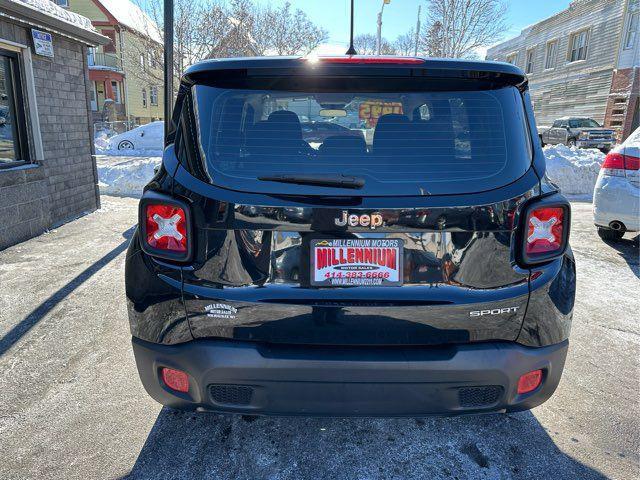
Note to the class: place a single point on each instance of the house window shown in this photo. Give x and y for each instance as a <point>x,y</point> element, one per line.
<point>550,58</point>
<point>529,68</point>
<point>632,30</point>
<point>115,86</point>
<point>579,44</point>
<point>111,46</point>
<point>62,3</point>
<point>13,128</point>
<point>142,61</point>
<point>94,97</point>
<point>153,95</point>
<point>91,56</point>
<point>144,98</point>
<point>512,58</point>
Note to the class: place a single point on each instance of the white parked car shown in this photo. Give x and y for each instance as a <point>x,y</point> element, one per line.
<point>616,198</point>
<point>145,137</point>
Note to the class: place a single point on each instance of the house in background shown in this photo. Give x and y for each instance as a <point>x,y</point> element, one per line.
<point>583,61</point>
<point>128,70</point>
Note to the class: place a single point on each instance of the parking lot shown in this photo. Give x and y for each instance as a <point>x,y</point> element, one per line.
<point>72,407</point>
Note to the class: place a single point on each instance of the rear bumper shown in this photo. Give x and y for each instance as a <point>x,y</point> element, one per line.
<point>595,144</point>
<point>616,199</point>
<point>248,378</point>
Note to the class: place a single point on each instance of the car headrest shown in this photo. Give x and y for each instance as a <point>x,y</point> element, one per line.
<point>343,145</point>
<point>388,129</point>
<point>286,124</point>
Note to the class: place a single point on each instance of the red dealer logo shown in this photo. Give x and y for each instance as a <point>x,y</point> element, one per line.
<point>329,257</point>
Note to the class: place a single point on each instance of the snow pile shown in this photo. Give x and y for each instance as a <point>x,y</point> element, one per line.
<point>125,176</point>
<point>101,143</point>
<point>574,170</point>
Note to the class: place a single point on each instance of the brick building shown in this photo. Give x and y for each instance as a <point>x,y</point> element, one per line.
<point>47,172</point>
<point>583,61</point>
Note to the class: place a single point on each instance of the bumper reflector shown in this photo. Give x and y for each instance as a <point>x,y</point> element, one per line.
<point>530,381</point>
<point>175,379</point>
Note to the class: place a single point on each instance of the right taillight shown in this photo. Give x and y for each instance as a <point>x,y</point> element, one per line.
<point>544,232</point>
<point>616,164</point>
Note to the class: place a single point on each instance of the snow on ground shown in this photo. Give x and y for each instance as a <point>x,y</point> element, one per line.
<point>574,170</point>
<point>125,176</point>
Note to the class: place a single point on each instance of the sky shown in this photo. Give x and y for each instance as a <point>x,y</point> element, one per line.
<point>400,15</point>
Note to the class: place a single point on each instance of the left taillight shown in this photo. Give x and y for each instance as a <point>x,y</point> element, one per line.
<point>544,232</point>
<point>618,165</point>
<point>165,227</point>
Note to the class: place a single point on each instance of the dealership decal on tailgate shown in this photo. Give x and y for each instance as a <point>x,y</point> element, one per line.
<point>356,262</point>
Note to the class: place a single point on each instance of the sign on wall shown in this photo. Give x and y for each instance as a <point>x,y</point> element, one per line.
<point>43,43</point>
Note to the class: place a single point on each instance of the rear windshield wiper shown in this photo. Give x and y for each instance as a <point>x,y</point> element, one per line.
<point>340,181</point>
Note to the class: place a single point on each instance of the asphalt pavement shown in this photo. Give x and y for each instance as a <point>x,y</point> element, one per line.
<point>72,406</point>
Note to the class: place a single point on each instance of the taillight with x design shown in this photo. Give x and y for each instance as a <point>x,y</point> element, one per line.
<point>544,231</point>
<point>165,226</point>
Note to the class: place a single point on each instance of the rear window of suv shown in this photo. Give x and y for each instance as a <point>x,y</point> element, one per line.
<point>398,143</point>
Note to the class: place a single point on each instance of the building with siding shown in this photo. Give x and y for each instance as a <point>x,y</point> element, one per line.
<point>47,172</point>
<point>126,73</point>
<point>583,61</point>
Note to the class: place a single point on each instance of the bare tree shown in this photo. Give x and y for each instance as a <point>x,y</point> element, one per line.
<point>366,44</point>
<point>387,48</point>
<point>405,43</point>
<point>280,31</point>
<point>433,43</point>
<point>457,28</point>
<point>218,28</point>
<point>198,28</point>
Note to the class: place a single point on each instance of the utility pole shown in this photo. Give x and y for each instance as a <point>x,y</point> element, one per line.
<point>415,50</point>
<point>168,64</point>
<point>384,2</point>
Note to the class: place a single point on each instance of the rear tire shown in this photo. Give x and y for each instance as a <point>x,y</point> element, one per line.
<point>609,235</point>
<point>571,142</point>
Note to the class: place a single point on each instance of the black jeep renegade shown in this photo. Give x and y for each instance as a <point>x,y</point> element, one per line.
<point>351,236</point>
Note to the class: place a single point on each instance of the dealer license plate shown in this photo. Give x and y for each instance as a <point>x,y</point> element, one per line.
<point>356,262</point>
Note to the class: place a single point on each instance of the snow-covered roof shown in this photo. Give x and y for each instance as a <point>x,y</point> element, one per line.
<point>133,17</point>
<point>46,15</point>
<point>50,8</point>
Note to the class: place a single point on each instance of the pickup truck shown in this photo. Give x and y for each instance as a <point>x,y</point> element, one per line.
<point>580,132</point>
